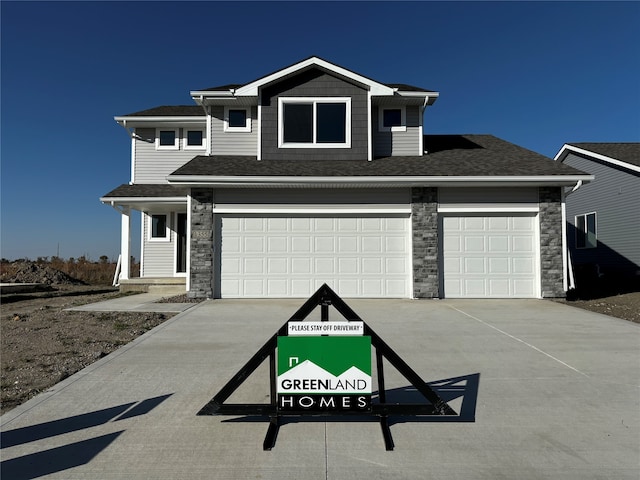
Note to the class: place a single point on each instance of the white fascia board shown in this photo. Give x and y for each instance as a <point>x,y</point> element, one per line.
<point>133,200</point>
<point>375,88</point>
<point>148,121</point>
<point>245,181</point>
<point>562,154</point>
<point>311,209</point>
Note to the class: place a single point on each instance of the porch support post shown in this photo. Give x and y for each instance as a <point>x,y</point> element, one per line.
<point>125,243</point>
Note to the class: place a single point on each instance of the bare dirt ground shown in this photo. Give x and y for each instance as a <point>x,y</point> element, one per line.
<point>41,344</point>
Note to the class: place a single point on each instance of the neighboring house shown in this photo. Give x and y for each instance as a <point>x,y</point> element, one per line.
<point>316,174</point>
<point>604,216</point>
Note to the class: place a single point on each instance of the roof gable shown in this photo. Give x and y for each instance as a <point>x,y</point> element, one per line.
<point>625,155</point>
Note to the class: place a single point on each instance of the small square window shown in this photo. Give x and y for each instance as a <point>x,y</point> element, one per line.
<point>237,120</point>
<point>158,227</point>
<point>167,139</point>
<point>392,117</point>
<point>392,120</point>
<point>194,139</point>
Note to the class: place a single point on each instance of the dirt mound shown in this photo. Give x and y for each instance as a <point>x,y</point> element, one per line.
<point>31,272</point>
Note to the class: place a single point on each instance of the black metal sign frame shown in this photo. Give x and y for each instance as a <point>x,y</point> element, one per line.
<point>324,298</point>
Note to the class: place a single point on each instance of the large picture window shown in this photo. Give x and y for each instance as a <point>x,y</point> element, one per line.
<point>314,122</point>
<point>586,234</point>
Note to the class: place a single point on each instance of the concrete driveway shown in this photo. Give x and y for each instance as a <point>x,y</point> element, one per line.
<point>554,391</point>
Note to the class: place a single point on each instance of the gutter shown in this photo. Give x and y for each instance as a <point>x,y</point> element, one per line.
<point>318,181</point>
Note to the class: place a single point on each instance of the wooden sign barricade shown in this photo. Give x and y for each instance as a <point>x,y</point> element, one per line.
<point>324,298</point>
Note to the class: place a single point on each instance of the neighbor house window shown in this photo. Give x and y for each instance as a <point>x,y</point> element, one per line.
<point>194,139</point>
<point>392,120</point>
<point>158,227</point>
<point>237,119</point>
<point>586,235</point>
<point>323,122</point>
<point>167,139</point>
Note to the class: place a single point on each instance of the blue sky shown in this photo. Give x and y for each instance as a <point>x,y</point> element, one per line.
<point>536,74</point>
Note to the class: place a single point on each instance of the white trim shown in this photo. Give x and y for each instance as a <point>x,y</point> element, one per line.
<point>403,119</point>
<point>134,138</point>
<point>259,127</point>
<point>598,156</point>
<point>146,122</point>
<point>208,127</point>
<point>133,200</point>
<point>167,237</point>
<point>252,89</point>
<point>369,128</point>
<point>188,272</point>
<point>563,210</point>
<point>247,120</point>
<point>315,210</point>
<point>142,251</point>
<point>125,243</point>
<point>373,181</point>
<point>314,101</point>
<point>176,139</point>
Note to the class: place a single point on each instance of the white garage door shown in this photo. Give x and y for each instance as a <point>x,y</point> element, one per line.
<point>284,256</point>
<point>490,256</point>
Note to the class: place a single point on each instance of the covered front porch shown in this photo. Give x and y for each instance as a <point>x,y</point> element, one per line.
<point>164,245</point>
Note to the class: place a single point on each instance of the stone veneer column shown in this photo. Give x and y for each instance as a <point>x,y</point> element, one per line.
<point>552,271</point>
<point>424,223</point>
<point>201,269</point>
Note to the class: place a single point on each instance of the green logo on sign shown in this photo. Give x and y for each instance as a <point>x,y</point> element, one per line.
<point>324,373</point>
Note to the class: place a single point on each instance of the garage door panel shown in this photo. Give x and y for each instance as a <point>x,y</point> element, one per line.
<point>293,256</point>
<point>490,255</point>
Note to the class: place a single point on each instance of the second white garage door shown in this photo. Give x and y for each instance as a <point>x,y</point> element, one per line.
<point>285,256</point>
<point>490,256</point>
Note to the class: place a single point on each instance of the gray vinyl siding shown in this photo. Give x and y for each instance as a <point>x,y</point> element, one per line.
<point>615,198</point>
<point>153,166</point>
<point>158,256</point>
<point>233,143</point>
<point>386,144</point>
<point>488,197</point>
<point>308,84</point>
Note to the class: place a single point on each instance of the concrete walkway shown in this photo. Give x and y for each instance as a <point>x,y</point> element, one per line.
<point>555,393</point>
<point>141,302</point>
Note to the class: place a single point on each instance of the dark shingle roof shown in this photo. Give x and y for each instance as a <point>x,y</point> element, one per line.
<point>449,155</point>
<point>170,110</point>
<point>147,190</point>
<point>625,152</point>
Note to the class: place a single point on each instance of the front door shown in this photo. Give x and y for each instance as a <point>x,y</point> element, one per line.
<point>181,246</point>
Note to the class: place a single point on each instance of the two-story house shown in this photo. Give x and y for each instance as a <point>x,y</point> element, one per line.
<point>316,174</point>
<point>604,216</point>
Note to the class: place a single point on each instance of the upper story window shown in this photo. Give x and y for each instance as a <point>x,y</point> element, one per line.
<point>586,234</point>
<point>167,139</point>
<point>237,119</point>
<point>322,122</point>
<point>392,119</point>
<point>158,227</point>
<point>194,140</point>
